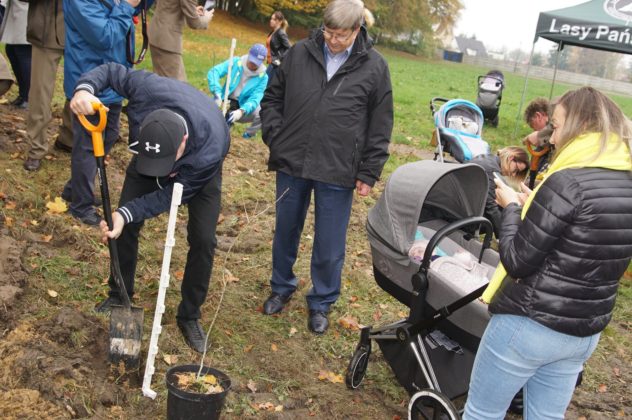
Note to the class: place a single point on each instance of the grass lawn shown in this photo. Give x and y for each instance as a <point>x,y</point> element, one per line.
<point>273,361</point>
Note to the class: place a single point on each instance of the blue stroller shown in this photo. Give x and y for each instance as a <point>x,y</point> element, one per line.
<point>458,128</point>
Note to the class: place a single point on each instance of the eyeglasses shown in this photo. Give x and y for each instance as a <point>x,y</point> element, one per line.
<point>340,38</point>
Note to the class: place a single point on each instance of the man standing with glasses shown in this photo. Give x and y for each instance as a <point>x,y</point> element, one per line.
<point>327,119</point>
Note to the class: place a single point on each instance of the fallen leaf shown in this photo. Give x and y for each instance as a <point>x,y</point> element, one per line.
<point>47,238</point>
<point>8,221</point>
<point>349,323</point>
<point>179,275</point>
<point>10,205</point>
<point>52,293</point>
<point>293,331</point>
<point>353,299</point>
<point>274,347</point>
<point>229,277</point>
<point>355,305</point>
<point>325,375</point>
<point>402,314</point>
<point>278,408</point>
<point>170,359</point>
<point>3,196</point>
<point>34,222</point>
<point>383,306</point>
<point>268,406</point>
<point>377,315</point>
<point>252,386</point>
<point>248,348</point>
<point>56,206</point>
<point>397,417</point>
<point>602,388</point>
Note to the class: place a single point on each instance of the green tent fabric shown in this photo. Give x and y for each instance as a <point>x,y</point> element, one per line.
<point>597,24</point>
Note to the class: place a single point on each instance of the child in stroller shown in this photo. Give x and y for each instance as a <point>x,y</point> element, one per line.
<point>458,128</point>
<point>426,206</point>
<point>490,94</point>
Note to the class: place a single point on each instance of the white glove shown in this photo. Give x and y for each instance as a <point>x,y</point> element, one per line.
<point>277,62</point>
<point>235,116</point>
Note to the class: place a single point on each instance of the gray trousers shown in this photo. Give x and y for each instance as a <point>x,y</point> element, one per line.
<point>44,63</point>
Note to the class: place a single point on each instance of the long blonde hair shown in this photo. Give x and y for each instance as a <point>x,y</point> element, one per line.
<point>590,111</point>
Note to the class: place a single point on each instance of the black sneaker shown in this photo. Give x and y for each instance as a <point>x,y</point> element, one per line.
<point>90,219</point>
<point>193,333</point>
<point>106,305</point>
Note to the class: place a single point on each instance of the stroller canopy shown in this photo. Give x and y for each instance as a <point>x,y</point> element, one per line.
<point>459,189</point>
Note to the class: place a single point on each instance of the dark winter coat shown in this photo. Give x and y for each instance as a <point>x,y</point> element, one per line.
<point>567,256</point>
<point>335,131</point>
<point>491,164</point>
<point>208,139</point>
<point>279,45</point>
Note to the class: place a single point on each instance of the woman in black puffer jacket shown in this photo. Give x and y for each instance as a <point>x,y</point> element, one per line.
<point>564,251</point>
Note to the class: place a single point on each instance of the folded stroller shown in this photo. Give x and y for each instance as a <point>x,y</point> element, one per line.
<point>490,95</point>
<point>458,128</point>
<point>432,351</point>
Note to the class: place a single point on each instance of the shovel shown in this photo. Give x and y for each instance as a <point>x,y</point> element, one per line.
<point>126,322</point>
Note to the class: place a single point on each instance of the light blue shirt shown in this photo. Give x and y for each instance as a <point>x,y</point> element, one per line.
<point>334,61</point>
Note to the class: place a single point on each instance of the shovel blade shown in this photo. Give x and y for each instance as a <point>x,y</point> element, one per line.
<point>126,332</point>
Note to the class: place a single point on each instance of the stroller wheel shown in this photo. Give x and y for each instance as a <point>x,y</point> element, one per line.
<point>357,366</point>
<point>495,121</point>
<point>428,404</point>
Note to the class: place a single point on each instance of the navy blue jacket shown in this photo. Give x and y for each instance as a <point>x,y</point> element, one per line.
<point>208,140</point>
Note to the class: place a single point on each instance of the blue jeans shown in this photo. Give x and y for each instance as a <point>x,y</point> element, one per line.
<point>332,210</point>
<point>83,166</point>
<point>516,351</point>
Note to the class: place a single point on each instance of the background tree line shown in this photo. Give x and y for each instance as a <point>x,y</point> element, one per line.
<point>411,25</point>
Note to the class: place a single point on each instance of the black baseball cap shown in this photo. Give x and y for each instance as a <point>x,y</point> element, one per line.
<point>160,135</point>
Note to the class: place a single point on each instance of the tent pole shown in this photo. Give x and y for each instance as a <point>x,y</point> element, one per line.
<point>557,59</point>
<point>524,92</point>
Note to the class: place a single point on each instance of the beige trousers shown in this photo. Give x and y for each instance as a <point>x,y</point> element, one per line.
<point>44,63</point>
<point>167,64</point>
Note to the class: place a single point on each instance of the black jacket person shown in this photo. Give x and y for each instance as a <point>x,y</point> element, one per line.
<point>178,135</point>
<point>327,119</point>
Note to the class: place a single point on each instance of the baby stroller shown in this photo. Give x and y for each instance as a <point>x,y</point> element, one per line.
<point>490,94</point>
<point>458,127</point>
<point>432,351</point>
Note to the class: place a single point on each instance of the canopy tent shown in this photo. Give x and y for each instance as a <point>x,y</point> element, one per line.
<point>597,24</point>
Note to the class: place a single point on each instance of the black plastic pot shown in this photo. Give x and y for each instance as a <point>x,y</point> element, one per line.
<point>186,405</point>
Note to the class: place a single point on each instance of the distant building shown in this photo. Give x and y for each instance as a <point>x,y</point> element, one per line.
<point>471,47</point>
<point>500,56</point>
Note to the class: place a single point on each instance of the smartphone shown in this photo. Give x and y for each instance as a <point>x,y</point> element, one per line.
<point>501,179</point>
<point>209,5</point>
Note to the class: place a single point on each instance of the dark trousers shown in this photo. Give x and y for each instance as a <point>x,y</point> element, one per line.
<point>332,208</point>
<point>204,210</point>
<point>270,71</point>
<point>83,166</point>
<point>20,58</point>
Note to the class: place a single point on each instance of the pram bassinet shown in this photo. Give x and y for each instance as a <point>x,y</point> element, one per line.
<point>490,95</point>
<point>432,351</point>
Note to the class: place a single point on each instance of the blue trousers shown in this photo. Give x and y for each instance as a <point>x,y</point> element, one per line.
<point>19,56</point>
<point>332,211</point>
<point>516,351</point>
<point>83,166</point>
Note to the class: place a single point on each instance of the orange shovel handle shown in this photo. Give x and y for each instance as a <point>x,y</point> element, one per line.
<point>96,130</point>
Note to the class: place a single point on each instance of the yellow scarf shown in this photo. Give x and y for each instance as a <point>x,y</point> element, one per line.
<point>579,153</point>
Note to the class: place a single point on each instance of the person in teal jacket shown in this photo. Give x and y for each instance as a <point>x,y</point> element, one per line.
<point>248,81</point>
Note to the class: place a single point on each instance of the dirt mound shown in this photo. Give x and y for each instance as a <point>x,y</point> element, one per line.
<point>12,276</point>
<point>28,404</point>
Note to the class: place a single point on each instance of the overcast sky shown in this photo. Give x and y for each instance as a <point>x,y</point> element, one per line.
<point>509,23</point>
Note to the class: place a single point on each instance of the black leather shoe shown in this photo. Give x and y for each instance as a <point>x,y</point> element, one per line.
<point>275,303</point>
<point>62,147</point>
<point>318,322</point>
<point>106,305</point>
<point>32,164</point>
<point>193,333</point>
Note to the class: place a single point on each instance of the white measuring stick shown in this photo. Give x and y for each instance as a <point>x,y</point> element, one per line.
<point>156,328</point>
<point>233,44</point>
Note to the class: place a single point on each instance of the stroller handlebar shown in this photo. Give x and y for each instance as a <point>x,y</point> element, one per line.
<point>433,105</point>
<point>452,227</point>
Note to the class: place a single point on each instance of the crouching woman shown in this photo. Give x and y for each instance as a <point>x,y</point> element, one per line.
<point>564,249</point>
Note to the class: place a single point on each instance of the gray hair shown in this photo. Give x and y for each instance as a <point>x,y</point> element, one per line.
<point>344,14</point>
